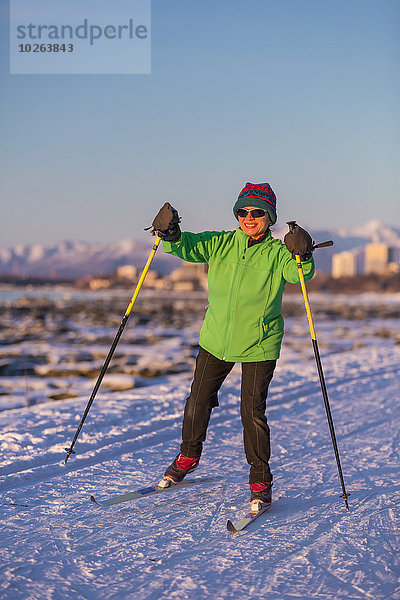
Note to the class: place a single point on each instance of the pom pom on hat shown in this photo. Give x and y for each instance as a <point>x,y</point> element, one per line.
<point>259,195</point>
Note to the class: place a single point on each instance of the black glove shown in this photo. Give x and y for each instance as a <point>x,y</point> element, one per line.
<point>298,241</point>
<point>166,224</point>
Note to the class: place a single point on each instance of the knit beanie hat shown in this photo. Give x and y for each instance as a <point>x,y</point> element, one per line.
<point>259,195</point>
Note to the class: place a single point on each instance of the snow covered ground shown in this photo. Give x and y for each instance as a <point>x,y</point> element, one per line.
<point>56,544</point>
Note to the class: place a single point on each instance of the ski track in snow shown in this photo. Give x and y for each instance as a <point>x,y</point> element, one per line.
<point>56,544</point>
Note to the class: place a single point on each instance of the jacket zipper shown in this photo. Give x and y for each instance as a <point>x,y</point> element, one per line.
<point>239,269</point>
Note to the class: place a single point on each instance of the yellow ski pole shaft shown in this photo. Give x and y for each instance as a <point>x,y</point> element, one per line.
<point>321,376</point>
<point>113,346</point>
<point>142,277</point>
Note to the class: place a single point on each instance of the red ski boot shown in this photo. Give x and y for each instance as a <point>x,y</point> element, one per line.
<point>261,494</point>
<point>177,470</point>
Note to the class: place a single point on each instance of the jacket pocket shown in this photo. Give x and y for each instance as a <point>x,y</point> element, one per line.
<point>261,330</point>
<point>266,327</point>
<point>209,328</point>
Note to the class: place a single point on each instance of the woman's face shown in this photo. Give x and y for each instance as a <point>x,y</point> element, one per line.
<point>255,228</point>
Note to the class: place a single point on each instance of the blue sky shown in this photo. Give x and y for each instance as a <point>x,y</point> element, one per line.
<point>303,94</point>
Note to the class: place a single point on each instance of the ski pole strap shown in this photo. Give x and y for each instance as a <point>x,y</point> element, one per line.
<point>305,296</point>
<point>143,275</point>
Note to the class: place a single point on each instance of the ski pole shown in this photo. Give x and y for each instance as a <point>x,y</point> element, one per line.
<point>113,346</point>
<point>318,361</point>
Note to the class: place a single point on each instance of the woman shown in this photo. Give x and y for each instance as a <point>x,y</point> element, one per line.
<point>248,271</point>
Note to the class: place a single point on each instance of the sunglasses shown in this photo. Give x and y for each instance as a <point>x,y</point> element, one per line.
<point>256,213</point>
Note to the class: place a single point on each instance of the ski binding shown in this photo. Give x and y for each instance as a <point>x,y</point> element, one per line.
<point>256,509</point>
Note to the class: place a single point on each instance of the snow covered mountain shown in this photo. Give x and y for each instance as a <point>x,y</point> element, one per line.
<point>70,259</point>
<point>374,231</point>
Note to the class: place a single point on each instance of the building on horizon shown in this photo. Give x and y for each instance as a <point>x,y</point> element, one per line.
<point>380,258</point>
<point>189,277</point>
<point>128,272</point>
<point>344,264</point>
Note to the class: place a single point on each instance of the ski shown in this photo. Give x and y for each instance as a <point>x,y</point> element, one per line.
<point>246,520</point>
<point>153,489</point>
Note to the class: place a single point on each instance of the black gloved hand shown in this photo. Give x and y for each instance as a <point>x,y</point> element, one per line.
<point>298,241</point>
<point>166,224</point>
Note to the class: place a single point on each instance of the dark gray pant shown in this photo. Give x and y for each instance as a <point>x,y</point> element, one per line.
<point>209,375</point>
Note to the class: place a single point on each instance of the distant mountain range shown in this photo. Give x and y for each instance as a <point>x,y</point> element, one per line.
<point>71,260</point>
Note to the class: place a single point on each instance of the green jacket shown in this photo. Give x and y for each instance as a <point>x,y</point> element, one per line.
<point>243,322</point>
